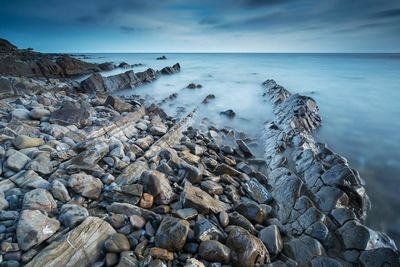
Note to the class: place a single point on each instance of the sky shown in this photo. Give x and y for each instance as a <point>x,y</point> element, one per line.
<point>202,25</point>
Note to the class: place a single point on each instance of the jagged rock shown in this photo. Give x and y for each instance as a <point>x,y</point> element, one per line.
<point>17,161</point>
<point>206,230</point>
<point>246,249</point>
<point>118,104</point>
<point>172,234</point>
<point>271,237</point>
<point>193,86</point>
<point>158,186</point>
<point>41,164</point>
<point>186,214</point>
<point>71,215</point>
<point>158,130</point>
<point>246,150</point>
<point>237,219</point>
<point>194,197</point>
<point>82,246</point>
<point>34,227</point>
<point>71,114</point>
<point>257,191</point>
<point>117,243</point>
<point>208,98</point>
<point>162,58</point>
<point>171,70</point>
<point>29,180</point>
<point>212,188</point>
<point>39,199</point>
<point>252,211</point>
<point>85,185</point>
<point>107,66</point>
<point>354,235</point>
<point>23,141</point>
<point>160,253</point>
<point>379,257</point>
<point>229,113</point>
<point>214,251</point>
<point>189,172</point>
<point>59,191</point>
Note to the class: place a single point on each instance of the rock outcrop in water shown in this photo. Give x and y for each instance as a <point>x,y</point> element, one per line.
<point>99,180</point>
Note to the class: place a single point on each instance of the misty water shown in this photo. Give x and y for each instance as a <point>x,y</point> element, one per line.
<point>358,96</point>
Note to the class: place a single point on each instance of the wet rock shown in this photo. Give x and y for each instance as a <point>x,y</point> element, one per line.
<point>226,169</point>
<point>118,104</point>
<point>193,86</point>
<point>85,185</point>
<point>17,161</point>
<point>23,141</point>
<point>228,113</point>
<point>304,249</point>
<point>160,253</point>
<point>194,197</point>
<point>117,243</point>
<point>189,172</point>
<point>206,230</point>
<point>71,114</point>
<point>252,211</point>
<point>162,58</point>
<point>246,150</point>
<point>158,130</point>
<point>171,70</point>
<point>107,66</point>
<point>214,251</point>
<point>137,221</point>
<point>39,199</point>
<point>237,219</point>
<point>208,98</point>
<point>257,191</point>
<point>158,186</point>
<point>246,249</point>
<point>212,188</point>
<point>272,239</point>
<point>223,218</point>
<point>172,234</point>
<point>72,215</point>
<point>34,227</point>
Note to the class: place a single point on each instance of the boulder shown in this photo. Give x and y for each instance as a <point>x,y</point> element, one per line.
<point>71,113</point>
<point>172,234</point>
<point>59,191</point>
<point>272,239</point>
<point>85,185</point>
<point>17,161</point>
<point>118,104</point>
<point>39,199</point>
<point>228,113</point>
<point>158,186</point>
<point>34,227</point>
<point>72,215</point>
<point>257,191</point>
<point>82,246</point>
<point>39,113</point>
<point>171,70</point>
<point>117,243</point>
<point>214,251</point>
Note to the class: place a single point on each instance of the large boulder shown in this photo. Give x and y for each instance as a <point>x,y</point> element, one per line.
<point>172,234</point>
<point>71,113</point>
<point>85,185</point>
<point>39,199</point>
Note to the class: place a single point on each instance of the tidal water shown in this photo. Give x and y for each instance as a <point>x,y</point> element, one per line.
<point>358,96</point>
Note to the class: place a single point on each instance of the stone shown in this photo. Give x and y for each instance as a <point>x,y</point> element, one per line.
<point>158,186</point>
<point>271,237</point>
<point>212,188</point>
<point>3,202</point>
<point>127,259</point>
<point>34,227</point>
<point>172,234</point>
<point>189,172</point>
<point>82,246</point>
<point>117,243</point>
<point>187,214</point>
<point>146,201</point>
<point>85,185</point>
<point>59,191</point>
<point>158,130</point>
<point>223,218</point>
<point>160,253</point>
<point>379,257</point>
<point>39,199</point>
<point>194,197</point>
<point>137,221</point>
<point>235,218</point>
<point>257,191</point>
<point>303,249</point>
<point>72,215</point>
<point>246,249</point>
<point>246,150</point>
<point>192,262</point>
<point>24,141</point>
<point>118,104</point>
<point>324,261</point>
<point>252,211</point>
<point>41,164</point>
<point>111,259</point>
<point>20,114</point>
<point>354,235</point>
<point>17,161</point>
<point>214,251</point>
<point>228,113</point>
<point>205,230</point>
<point>29,180</point>
<point>39,113</point>
<point>226,169</point>
<point>71,113</point>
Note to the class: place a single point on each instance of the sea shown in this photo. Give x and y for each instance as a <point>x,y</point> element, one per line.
<point>358,96</point>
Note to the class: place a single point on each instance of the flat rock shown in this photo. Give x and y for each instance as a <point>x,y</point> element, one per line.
<point>71,114</point>
<point>34,227</point>
<point>17,161</point>
<point>257,191</point>
<point>118,104</point>
<point>24,141</point>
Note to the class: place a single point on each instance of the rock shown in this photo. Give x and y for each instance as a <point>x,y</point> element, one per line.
<point>41,164</point>
<point>59,191</point>
<point>162,58</point>
<point>223,218</point>
<point>170,70</point>
<point>29,180</point>
<point>124,65</point>
<point>252,211</point>
<point>81,246</point>
<point>193,86</point>
<point>205,230</point>
<point>85,185</point>
<point>71,113</point>
<point>39,199</point>
<point>187,214</point>
<point>226,169</point>
<point>118,104</point>
<point>237,219</point>
<point>34,227</point>
<point>158,186</point>
<point>107,66</point>
<point>17,161</point>
<point>214,251</point>
<point>160,253</point>
<point>246,249</point>
<point>303,249</point>
<point>257,191</point>
<point>194,263</point>
<point>72,215</point>
<point>325,262</point>
<point>117,243</point>
<point>271,237</point>
<point>246,150</point>
<point>23,141</point>
<point>189,172</point>
<point>111,259</point>
<point>229,113</point>
<point>20,114</point>
<point>39,113</point>
<point>194,197</point>
<point>354,235</point>
<point>6,88</point>
<point>146,201</point>
<point>379,257</point>
<point>212,188</point>
<point>172,234</point>
<point>137,221</point>
<point>3,202</point>
<point>158,130</point>
<point>208,98</point>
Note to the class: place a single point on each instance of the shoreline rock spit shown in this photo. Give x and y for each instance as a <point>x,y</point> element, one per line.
<point>91,179</point>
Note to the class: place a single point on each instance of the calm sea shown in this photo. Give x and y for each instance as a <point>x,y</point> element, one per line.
<point>358,95</point>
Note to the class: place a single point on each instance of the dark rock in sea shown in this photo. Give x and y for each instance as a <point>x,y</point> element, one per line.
<point>208,98</point>
<point>193,86</point>
<point>171,70</point>
<point>107,66</point>
<point>229,113</point>
<point>124,65</point>
<point>162,58</point>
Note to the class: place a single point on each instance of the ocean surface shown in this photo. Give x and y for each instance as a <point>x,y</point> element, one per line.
<point>358,96</point>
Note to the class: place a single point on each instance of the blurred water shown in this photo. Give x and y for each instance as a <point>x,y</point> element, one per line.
<point>358,95</point>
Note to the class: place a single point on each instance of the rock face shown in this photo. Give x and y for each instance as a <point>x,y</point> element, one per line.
<point>172,234</point>
<point>34,227</point>
<point>81,246</point>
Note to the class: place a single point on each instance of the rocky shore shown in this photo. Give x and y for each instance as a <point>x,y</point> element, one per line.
<point>92,179</point>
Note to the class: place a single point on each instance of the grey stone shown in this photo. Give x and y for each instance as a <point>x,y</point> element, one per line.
<point>271,237</point>
<point>17,161</point>
<point>206,230</point>
<point>214,251</point>
<point>117,243</point>
<point>72,215</point>
<point>39,199</point>
<point>257,191</point>
<point>158,186</point>
<point>85,185</point>
<point>172,234</point>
